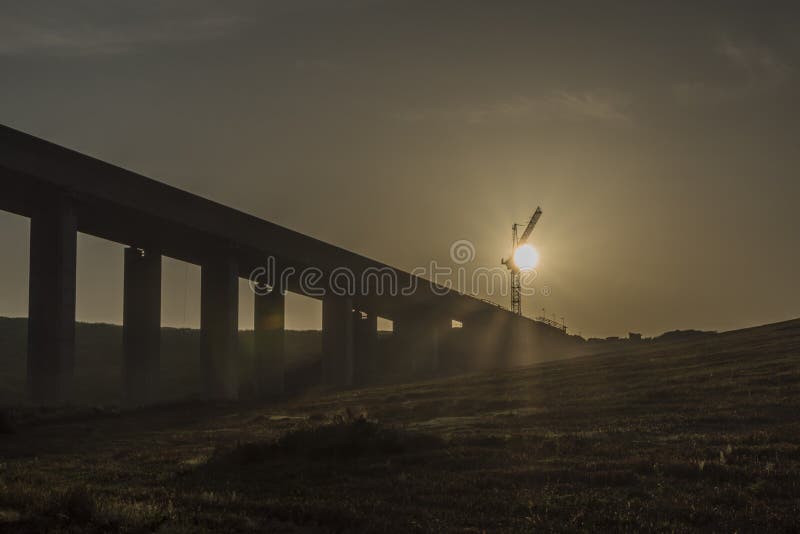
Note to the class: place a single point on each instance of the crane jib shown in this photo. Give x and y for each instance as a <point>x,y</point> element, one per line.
<point>531,224</point>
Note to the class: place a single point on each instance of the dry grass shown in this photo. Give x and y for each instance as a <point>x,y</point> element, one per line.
<point>700,435</point>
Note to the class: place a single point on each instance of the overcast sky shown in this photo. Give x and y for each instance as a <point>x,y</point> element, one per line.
<point>660,141</point>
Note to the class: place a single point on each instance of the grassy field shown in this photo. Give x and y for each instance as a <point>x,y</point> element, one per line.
<point>670,436</point>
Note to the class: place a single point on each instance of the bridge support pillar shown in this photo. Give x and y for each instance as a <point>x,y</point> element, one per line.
<point>420,338</point>
<point>141,326</point>
<point>270,359</point>
<point>337,341</point>
<point>444,343</point>
<point>51,308</point>
<point>366,345</point>
<point>219,328</point>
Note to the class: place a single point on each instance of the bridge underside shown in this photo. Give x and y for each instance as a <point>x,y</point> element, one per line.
<point>64,193</point>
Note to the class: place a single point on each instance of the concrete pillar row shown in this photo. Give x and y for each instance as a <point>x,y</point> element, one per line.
<point>141,326</point>
<point>219,327</point>
<point>337,341</point>
<point>51,301</point>
<point>270,350</point>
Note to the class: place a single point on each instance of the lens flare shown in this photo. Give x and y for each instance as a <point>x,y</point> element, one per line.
<point>526,257</point>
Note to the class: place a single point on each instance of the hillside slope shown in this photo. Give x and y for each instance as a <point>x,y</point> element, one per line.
<point>690,435</point>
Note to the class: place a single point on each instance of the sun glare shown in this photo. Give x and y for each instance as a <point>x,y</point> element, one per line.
<point>526,257</point>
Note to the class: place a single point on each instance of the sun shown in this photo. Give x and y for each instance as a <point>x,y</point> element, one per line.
<point>526,257</point>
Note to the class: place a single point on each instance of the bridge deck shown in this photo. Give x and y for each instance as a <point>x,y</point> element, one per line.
<point>126,207</point>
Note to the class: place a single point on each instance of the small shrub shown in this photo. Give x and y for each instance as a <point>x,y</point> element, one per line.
<point>345,437</point>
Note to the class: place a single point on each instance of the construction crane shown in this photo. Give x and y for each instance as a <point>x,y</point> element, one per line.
<point>511,264</point>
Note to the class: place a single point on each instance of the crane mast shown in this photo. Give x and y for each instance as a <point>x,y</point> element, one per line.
<point>516,241</point>
<point>516,288</point>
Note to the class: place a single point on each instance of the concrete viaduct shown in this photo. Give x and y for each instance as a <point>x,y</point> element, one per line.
<point>64,192</point>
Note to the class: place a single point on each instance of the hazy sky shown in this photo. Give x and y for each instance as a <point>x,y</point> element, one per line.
<point>660,140</point>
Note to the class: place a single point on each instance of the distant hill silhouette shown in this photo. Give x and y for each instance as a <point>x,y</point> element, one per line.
<point>684,335</point>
